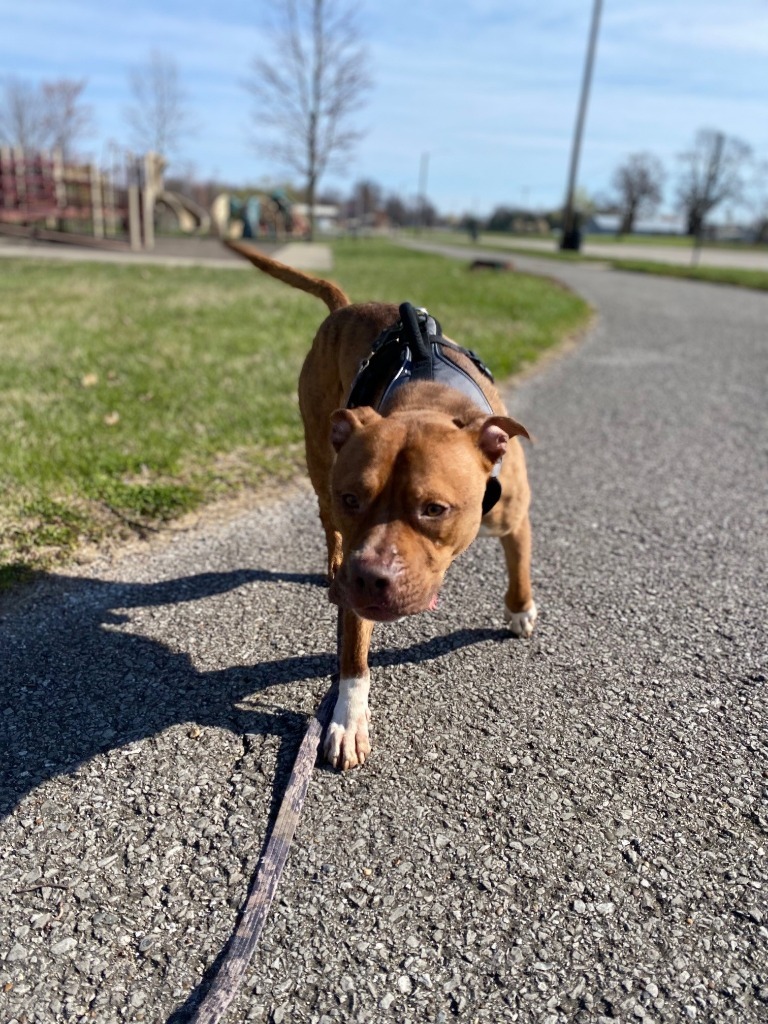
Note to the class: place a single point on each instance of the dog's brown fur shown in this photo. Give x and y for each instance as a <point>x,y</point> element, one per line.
<point>400,492</point>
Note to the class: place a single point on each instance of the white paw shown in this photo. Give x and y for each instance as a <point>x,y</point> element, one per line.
<point>347,743</point>
<point>521,623</point>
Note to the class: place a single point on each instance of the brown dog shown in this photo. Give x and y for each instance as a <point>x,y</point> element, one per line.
<point>400,490</point>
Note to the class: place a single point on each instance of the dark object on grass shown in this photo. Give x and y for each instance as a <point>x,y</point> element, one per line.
<point>491,265</point>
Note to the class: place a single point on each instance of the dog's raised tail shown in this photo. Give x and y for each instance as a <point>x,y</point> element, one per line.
<point>331,294</point>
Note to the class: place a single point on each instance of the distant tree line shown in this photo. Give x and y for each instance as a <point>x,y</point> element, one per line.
<point>714,171</point>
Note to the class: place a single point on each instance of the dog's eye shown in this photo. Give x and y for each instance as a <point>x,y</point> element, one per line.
<point>434,510</point>
<point>351,502</point>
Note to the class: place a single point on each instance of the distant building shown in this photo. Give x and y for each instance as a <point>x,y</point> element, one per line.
<point>326,217</point>
<point>663,224</point>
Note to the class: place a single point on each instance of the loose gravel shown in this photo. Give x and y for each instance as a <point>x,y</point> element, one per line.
<point>568,829</point>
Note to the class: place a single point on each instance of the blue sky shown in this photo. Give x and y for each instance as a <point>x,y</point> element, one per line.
<point>488,88</point>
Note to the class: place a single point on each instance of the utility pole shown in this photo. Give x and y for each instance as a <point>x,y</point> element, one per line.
<point>423,172</point>
<point>571,237</point>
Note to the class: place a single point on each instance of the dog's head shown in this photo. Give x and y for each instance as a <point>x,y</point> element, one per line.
<point>407,490</point>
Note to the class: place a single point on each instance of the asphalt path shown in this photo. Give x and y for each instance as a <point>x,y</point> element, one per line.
<point>566,829</point>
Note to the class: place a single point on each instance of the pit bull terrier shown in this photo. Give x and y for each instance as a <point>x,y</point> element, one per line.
<point>405,481</point>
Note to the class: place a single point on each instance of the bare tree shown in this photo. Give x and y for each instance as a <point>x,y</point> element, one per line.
<point>158,118</point>
<point>306,94</point>
<point>638,183</point>
<point>66,119</point>
<point>757,199</point>
<point>21,114</point>
<point>712,173</point>
<point>48,115</point>
<point>396,209</point>
<point>366,198</point>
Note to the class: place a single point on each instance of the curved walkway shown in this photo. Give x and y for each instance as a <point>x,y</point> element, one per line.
<point>570,829</point>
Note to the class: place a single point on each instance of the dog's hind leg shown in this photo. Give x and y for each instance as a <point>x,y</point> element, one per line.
<point>347,743</point>
<point>519,607</point>
<point>319,472</point>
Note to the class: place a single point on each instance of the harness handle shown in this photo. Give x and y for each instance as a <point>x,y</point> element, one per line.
<point>417,337</point>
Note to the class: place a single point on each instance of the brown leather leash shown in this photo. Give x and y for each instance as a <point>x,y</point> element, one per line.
<point>247,933</point>
<point>245,938</point>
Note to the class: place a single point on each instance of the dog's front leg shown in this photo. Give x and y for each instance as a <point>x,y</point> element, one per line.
<point>519,607</point>
<point>346,739</point>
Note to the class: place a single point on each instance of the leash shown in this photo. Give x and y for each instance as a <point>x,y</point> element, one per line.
<point>238,952</point>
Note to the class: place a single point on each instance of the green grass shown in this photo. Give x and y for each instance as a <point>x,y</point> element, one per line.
<point>508,318</point>
<point>742,278</point>
<point>131,394</point>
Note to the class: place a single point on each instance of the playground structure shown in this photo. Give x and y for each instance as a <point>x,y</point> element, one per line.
<point>259,215</point>
<point>43,197</point>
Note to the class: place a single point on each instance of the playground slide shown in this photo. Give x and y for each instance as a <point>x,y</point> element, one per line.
<point>191,216</point>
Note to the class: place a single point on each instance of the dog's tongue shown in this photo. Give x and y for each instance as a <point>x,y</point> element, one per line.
<point>434,602</point>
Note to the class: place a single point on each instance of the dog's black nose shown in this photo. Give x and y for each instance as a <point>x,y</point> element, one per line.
<point>373,582</point>
<point>373,576</point>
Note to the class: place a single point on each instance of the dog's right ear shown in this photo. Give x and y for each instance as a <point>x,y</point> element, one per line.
<point>345,421</point>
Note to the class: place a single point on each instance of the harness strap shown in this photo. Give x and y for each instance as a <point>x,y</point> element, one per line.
<point>413,348</point>
<point>416,333</point>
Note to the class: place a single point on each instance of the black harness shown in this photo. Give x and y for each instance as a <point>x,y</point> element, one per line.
<point>413,349</point>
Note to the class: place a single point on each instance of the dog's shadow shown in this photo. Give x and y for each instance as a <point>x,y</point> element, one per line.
<point>73,686</point>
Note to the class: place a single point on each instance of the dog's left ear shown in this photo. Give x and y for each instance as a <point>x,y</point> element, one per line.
<point>494,434</point>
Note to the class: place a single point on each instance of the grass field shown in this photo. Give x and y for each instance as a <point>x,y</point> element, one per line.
<point>132,394</point>
<point>756,279</point>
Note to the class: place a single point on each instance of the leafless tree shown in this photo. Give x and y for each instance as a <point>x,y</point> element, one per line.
<point>309,87</point>
<point>366,198</point>
<point>713,171</point>
<point>66,119</point>
<point>48,115</point>
<point>158,118</point>
<point>757,199</point>
<point>21,114</point>
<point>396,209</point>
<point>638,183</point>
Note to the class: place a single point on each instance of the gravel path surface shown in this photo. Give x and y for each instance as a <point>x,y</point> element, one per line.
<point>568,829</point>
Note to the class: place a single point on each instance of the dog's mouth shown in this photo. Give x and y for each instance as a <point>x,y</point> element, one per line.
<point>382,611</point>
<point>378,613</point>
